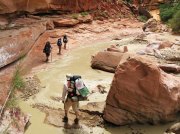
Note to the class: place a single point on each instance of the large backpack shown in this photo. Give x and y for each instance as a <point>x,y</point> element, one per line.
<point>79,88</point>
<point>65,40</point>
<point>47,48</point>
<point>59,43</point>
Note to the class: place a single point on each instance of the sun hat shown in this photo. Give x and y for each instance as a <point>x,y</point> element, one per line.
<point>68,76</point>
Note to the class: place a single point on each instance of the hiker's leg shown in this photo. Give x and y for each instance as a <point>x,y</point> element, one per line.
<point>60,49</point>
<point>64,45</point>
<point>75,107</point>
<point>67,105</point>
<point>46,57</point>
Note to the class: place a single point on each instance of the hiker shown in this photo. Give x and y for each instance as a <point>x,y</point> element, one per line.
<point>70,93</point>
<point>59,44</point>
<point>65,40</point>
<point>47,50</point>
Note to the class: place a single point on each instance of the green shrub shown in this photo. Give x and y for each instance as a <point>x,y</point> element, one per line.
<point>175,22</point>
<point>18,82</point>
<point>167,11</point>
<point>142,18</point>
<point>12,102</point>
<point>84,13</point>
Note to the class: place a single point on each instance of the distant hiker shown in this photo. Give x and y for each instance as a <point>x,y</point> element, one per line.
<point>47,50</point>
<point>59,44</point>
<point>65,40</point>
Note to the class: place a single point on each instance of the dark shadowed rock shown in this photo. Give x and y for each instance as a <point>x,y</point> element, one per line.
<point>171,68</point>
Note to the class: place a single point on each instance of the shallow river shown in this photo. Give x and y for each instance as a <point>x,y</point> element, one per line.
<point>76,61</point>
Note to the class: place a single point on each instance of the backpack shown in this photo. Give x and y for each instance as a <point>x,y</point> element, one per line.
<point>59,43</point>
<point>47,48</point>
<point>65,40</point>
<point>79,88</point>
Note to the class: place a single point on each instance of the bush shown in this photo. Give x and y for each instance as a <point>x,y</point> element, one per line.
<point>167,11</point>
<point>142,18</point>
<point>175,22</point>
<point>18,82</point>
<point>84,13</point>
<point>12,102</point>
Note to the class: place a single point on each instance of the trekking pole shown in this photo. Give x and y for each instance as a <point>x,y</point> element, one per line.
<point>51,56</point>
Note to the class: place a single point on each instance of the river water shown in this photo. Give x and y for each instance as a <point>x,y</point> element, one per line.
<point>77,61</point>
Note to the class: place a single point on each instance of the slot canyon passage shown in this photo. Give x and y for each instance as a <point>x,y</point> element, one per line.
<point>127,56</point>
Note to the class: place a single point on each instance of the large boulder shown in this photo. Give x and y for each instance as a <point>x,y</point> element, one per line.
<point>106,60</point>
<point>10,6</point>
<point>16,43</point>
<point>142,92</point>
<point>151,25</point>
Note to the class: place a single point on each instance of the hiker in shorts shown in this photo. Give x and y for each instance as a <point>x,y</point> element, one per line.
<point>69,98</point>
<point>65,40</point>
<point>59,44</point>
<point>47,50</point>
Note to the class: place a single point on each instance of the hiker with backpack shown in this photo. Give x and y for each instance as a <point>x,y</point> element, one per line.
<point>70,96</point>
<point>59,44</point>
<point>65,40</point>
<point>47,50</point>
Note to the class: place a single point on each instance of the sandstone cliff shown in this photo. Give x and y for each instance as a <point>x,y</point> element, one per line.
<point>10,6</point>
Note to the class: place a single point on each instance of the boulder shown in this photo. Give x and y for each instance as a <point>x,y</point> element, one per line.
<point>66,22</point>
<point>141,92</point>
<point>171,68</point>
<point>16,43</point>
<point>165,44</point>
<point>174,129</point>
<point>85,19</point>
<point>106,61</point>
<point>151,25</point>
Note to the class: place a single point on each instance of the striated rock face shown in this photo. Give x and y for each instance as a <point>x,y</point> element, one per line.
<point>17,42</point>
<point>141,92</point>
<point>10,6</point>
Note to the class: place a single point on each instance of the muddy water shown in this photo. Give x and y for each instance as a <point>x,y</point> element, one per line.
<point>52,79</point>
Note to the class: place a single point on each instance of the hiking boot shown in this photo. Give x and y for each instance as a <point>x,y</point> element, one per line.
<point>65,119</point>
<point>76,121</point>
